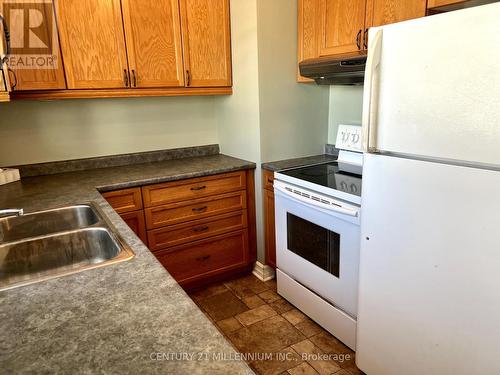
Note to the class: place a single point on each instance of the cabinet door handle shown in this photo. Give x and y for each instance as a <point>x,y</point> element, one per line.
<point>12,85</point>
<point>358,39</point>
<point>134,78</point>
<point>4,80</point>
<point>125,77</point>
<point>200,209</point>
<point>365,39</point>
<point>188,78</point>
<point>198,188</point>
<point>269,181</point>
<point>201,259</point>
<point>6,34</point>
<point>200,229</point>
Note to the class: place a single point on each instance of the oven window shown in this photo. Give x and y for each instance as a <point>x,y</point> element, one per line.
<point>314,243</point>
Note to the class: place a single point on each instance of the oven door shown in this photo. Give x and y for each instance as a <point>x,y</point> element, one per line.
<point>318,246</point>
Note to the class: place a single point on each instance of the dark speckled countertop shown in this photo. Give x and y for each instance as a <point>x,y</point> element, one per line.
<point>280,165</point>
<point>109,320</point>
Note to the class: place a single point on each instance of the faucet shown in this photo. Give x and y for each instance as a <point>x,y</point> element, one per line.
<point>11,212</point>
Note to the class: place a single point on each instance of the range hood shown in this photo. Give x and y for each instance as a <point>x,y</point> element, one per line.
<point>335,71</point>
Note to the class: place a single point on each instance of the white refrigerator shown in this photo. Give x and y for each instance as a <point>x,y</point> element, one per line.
<point>429,294</point>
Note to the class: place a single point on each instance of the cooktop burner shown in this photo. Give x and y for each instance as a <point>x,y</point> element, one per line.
<point>329,175</point>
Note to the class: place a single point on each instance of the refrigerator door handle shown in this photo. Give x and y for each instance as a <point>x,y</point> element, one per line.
<point>369,101</point>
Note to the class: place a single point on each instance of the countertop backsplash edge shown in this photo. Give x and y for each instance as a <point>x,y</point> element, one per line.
<point>75,165</point>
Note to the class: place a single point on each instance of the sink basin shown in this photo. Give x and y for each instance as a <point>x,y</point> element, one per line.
<point>24,262</point>
<point>47,222</point>
<point>55,243</point>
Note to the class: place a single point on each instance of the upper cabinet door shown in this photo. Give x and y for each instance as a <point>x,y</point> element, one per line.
<point>4,84</point>
<point>308,27</point>
<point>440,3</point>
<point>342,25</point>
<point>46,41</point>
<point>93,43</point>
<point>382,12</point>
<point>154,42</point>
<point>207,42</point>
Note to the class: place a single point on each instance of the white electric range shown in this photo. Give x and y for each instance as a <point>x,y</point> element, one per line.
<point>318,237</point>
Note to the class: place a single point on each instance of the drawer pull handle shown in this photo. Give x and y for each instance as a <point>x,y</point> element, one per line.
<point>198,188</point>
<point>202,259</point>
<point>200,229</point>
<point>269,181</point>
<point>200,209</point>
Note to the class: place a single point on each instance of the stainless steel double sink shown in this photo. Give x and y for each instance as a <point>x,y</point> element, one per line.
<point>53,243</point>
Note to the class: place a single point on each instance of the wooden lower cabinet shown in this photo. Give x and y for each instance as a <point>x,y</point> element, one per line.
<point>128,204</point>
<point>181,191</point>
<point>200,229</point>
<point>200,259</point>
<point>135,220</point>
<point>125,200</point>
<point>180,212</point>
<point>269,219</point>
<point>179,234</point>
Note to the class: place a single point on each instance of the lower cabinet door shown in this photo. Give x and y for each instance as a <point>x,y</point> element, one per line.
<point>207,257</point>
<point>135,220</point>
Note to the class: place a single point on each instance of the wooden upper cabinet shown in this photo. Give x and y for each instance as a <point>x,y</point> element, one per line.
<point>207,42</point>
<point>440,3</point>
<point>4,85</point>
<point>46,33</point>
<point>93,43</point>
<point>342,26</point>
<point>383,12</point>
<point>154,42</point>
<point>308,26</point>
<point>4,78</point>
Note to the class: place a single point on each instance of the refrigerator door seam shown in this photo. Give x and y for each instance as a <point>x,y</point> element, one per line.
<point>370,99</point>
<point>458,163</point>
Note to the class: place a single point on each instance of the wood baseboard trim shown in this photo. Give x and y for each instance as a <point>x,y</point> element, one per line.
<point>263,272</point>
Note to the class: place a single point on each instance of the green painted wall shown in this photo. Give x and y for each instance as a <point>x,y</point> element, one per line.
<point>33,132</point>
<point>293,117</point>
<point>346,107</point>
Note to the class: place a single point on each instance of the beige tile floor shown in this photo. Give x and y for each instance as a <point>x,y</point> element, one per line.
<point>256,319</point>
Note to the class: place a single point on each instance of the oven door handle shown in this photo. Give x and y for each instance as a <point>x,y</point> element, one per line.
<point>310,202</point>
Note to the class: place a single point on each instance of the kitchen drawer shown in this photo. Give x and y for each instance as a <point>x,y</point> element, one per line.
<point>268,180</point>
<point>206,257</point>
<point>126,200</point>
<point>135,221</point>
<point>175,213</point>
<point>174,235</point>
<point>194,188</point>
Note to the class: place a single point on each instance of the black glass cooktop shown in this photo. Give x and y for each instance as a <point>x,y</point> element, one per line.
<point>329,175</point>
